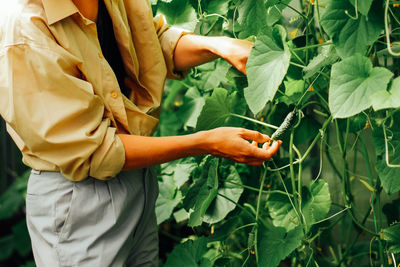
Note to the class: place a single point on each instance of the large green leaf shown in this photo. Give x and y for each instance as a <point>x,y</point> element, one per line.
<point>353,82</point>
<point>218,6</point>
<point>392,237</point>
<point>173,175</point>
<point>316,203</point>
<point>326,57</point>
<point>266,67</point>
<point>389,176</point>
<point>168,198</point>
<point>219,106</point>
<point>221,206</point>
<point>282,212</point>
<point>205,190</point>
<point>189,254</point>
<point>351,36</point>
<point>199,178</point>
<point>181,215</point>
<point>387,99</point>
<point>252,16</point>
<point>275,244</point>
<point>294,89</point>
<point>182,171</point>
<point>363,6</point>
<point>274,10</point>
<point>213,75</point>
<point>169,123</point>
<point>179,13</point>
<point>193,103</point>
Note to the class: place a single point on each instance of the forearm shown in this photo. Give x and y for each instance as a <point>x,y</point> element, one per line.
<point>145,151</point>
<point>228,142</point>
<point>193,50</point>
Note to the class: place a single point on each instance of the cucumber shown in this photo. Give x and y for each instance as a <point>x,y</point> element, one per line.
<point>251,240</point>
<point>287,124</point>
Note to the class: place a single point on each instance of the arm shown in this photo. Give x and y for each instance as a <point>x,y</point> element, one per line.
<point>192,50</point>
<point>183,51</point>
<point>228,142</point>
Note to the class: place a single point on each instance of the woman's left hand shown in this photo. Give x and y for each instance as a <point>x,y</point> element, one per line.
<point>235,51</point>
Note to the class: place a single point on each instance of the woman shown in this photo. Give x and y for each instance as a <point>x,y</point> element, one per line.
<point>81,84</point>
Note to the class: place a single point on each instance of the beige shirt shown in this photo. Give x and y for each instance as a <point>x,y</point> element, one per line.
<point>59,96</point>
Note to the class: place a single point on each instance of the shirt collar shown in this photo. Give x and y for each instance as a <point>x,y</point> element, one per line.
<point>57,10</point>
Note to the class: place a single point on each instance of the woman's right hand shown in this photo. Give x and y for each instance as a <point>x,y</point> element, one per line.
<point>233,143</point>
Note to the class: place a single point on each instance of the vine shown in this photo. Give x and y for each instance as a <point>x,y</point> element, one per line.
<point>340,74</point>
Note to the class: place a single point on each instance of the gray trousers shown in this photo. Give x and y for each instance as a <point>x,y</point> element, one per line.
<point>93,223</point>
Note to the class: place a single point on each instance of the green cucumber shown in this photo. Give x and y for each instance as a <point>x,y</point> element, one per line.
<point>287,124</point>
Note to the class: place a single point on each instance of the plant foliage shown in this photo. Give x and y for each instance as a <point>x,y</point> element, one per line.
<point>335,62</point>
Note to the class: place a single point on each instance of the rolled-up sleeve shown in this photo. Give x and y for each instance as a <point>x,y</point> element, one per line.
<point>56,114</point>
<point>169,37</point>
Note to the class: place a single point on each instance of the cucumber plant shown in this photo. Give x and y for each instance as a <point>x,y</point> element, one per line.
<point>327,69</point>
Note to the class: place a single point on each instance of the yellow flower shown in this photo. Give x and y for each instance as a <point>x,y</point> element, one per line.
<point>293,34</point>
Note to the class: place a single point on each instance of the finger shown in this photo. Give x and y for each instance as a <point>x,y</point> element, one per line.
<point>267,145</point>
<point>274,148</point>
<point>250,161</point>
<point>256,154</point>
<point>254,136</point>
<point>254,143</point>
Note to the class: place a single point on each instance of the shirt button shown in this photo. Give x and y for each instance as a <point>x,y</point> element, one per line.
<point>101,55</point>
<point>114,94</point>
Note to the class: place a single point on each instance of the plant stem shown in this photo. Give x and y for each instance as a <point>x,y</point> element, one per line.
<point>295,10</point>
<point>288,195</point>
<point>297,56</point>
<point>237,204</point>
<point>312,46</point>
<point>319,21</point>
<point>311,103</point>
<point>211,27</point>
<point>365,229</point>
<point>292,177</point>
<point>322,100</point>
<point>386,20</point>
<point>257,190</point>
<point>255,121</point>
<point>324,126</point>
<point>339,140</point>
<point>320,113</point>
<point>377,227</point>
<point>297,65</point>
<point>258,207</point>
<point>243,226</point>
